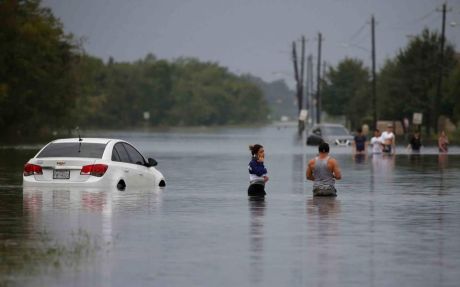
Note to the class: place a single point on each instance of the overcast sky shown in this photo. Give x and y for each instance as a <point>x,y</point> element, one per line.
<point>250,36</point>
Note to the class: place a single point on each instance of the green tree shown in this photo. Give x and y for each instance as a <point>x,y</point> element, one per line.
<point>408,84</point>
<point>451,102</point>
<point>92,83</point>
<point>156,85</point>
<point>345,91</point>
<point>207,94</point>
<point>37,79</point>
<point>281,99</point>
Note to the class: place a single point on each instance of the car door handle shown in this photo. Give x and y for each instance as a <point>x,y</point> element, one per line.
<point>141,174</point>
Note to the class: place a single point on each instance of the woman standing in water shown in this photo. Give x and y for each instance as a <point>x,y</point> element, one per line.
<point>257,171</point>
<point>443,142</point>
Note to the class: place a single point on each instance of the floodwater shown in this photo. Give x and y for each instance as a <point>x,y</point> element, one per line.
<point>395,222</point>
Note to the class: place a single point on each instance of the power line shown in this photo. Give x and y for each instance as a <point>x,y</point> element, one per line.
<point>415,21</point>
<point>423,17</point>
<point>363,39</point>
<point>356,34</point>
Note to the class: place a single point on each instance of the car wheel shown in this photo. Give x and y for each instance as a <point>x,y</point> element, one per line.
<point>162,183</point>
<point>121,185</point>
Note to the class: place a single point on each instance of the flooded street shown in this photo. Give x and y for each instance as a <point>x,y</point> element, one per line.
<point>395,221</point>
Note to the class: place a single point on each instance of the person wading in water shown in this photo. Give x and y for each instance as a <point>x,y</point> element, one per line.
<point>257,171</point>
<point>323,170</point>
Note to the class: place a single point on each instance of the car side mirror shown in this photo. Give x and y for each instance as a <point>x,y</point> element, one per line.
<point>152,162</point>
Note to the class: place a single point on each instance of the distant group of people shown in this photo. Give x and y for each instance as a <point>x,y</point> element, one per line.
<point>323,169</point>
<point>385,143</point>
<point>381,142</point>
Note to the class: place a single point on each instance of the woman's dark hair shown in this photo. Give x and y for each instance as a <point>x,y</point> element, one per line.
<point>255,149</point>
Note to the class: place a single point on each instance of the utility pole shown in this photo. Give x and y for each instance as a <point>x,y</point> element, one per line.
<point>296,72</point>
<point>309,86</point>
<point>318,82</point>
<point>441,66</point>
<point>374,80</point>
<point>299,77</point>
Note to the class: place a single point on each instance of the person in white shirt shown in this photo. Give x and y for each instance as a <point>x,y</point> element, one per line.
<point>376,142</point>
<point>388,140</point>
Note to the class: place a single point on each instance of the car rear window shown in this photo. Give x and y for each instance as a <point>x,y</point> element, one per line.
<point>93,150</point>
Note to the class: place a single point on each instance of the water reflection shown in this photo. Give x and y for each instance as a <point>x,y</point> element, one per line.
<point>360,158</point>
<point>443,161</point>
<point>415,158</point>
<point>256,236</point>
<point>382,171</point>
<point>323,207</point>
<point>323,213</point>
<point>92,200</point>
<point>298,173</point>
<point>80,204</point>
<point>394,215</point>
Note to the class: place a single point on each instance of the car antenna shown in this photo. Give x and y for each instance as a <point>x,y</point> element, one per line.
<point>79,139</point>
<point>78,132</point>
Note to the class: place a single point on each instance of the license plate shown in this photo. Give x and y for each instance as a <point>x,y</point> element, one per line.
<point>61,174</point>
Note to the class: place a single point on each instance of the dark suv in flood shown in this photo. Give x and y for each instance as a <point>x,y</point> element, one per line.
<point>333,134</point>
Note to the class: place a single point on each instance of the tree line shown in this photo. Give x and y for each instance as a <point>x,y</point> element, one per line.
<point>48,83</point>
<point>406,84</point>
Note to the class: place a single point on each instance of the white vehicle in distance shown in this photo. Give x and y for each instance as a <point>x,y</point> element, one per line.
<point>91,162</point>
<point>333,134</point>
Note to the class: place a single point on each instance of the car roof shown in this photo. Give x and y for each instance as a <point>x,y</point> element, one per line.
<point>85,140</point>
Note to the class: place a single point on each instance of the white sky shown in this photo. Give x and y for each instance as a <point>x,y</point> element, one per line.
<point>250,36</point>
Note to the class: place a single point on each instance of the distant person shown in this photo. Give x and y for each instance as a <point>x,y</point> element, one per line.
<point>388,140</point>
<point>443,142</point>
<point>376,142</point>
<point>323,170</point>
<point>257,171</point>
<point>360,142</point>
<point>415,142</point>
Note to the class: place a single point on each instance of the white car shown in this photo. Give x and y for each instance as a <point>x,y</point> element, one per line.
<point>333,134</point>
<point>91,162</point>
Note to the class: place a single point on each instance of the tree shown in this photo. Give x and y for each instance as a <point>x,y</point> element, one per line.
<point>207,94</point>
<point>278,95</point>
<point>451,102</point>
<point>37,79</point>
<point>408,84</point>
<point>345,91</point>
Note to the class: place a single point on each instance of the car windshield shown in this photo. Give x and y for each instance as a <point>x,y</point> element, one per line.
<point>336,131</point>
<point>92,150</point>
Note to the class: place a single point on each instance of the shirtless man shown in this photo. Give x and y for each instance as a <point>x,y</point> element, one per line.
<point>323,170</point>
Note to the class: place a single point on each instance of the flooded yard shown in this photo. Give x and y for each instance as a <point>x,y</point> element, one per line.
<point>395,221</point>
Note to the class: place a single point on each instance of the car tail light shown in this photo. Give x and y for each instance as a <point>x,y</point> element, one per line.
<point>94,169</point>
<point>31,169</point>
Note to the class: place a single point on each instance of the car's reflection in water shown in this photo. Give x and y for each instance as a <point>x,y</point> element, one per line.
<point>86,225</point>
<point>90,209</point>
<point>95,199</point>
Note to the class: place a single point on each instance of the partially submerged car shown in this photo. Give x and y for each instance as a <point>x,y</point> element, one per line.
<point>333,134</point>
<point>91,162</point>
